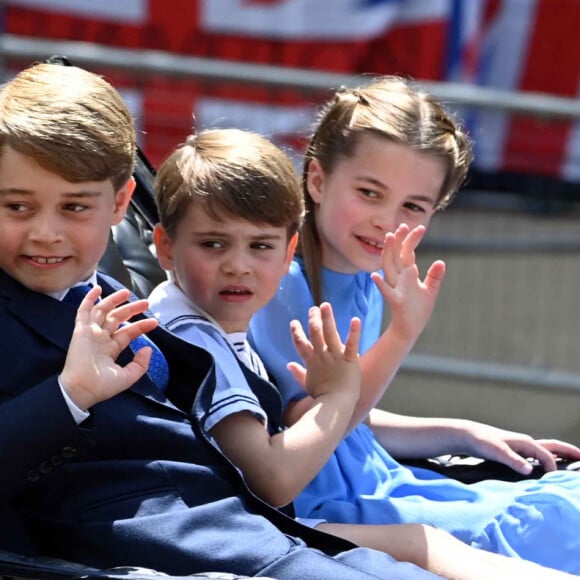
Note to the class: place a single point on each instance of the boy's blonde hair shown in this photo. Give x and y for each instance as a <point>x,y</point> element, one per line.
<point>71,121</point>
<point>231,173</point>
<point>391,108</point>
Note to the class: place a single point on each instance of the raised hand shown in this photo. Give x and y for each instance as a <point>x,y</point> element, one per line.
<point>101,333</point>
<point>331,366</point>
<point>411,299</point>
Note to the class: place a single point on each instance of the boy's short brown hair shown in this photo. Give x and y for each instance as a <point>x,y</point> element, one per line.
<point>232,173</point>
<point>71,121</point>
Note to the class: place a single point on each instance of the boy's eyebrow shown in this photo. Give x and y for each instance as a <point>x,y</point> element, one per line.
<point>15,190</point>
<point>209,233</point>
<point>71,194</point>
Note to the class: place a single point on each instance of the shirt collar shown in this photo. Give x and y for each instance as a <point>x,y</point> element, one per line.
<point>92,280</point>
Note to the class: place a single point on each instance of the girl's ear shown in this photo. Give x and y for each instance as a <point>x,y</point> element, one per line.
<point>315,180</point>
<point>163,247</point>
<point>290,250</point>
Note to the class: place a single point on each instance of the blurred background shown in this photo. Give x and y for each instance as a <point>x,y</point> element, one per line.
<point>504,343</point>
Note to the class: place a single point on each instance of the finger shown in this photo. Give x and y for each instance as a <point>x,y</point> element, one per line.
<point>102,308</point>
<point>315,328</point>
<point>434,277</point>
<point>331,336</point>
<point>115,299</point>
<point>121,314</point>
<point>136,368</point>
<point>560,448</point>
<point>301,342</point>
<point>545,457</point>
<point>351,346</point>
<point>384,288</point>
<point>298,372</point>
<point>400,235</point>
<point>87,304</point>
<point>128,332</point>
<point>518,451</point>
<point>515,461</point>
<point>409,245</point>
<point>390,260</point>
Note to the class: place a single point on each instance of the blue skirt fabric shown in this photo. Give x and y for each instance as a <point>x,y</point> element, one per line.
<point>538,520</point>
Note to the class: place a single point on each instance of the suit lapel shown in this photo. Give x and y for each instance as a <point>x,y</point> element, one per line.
<point>44,315</point>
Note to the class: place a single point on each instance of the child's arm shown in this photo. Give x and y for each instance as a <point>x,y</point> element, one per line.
<point>411,301</point>
<point>101,333</point>
<point>439,552</point>
<point>278,467</point>
<point>415,437</point>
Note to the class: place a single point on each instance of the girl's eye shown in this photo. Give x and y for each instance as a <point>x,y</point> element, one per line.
<point>369,193</point>
<point>414,207</point>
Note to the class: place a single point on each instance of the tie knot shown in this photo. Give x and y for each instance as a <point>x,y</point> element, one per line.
<point>76,294</point>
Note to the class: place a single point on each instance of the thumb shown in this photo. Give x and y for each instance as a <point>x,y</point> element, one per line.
<point>298,372</point>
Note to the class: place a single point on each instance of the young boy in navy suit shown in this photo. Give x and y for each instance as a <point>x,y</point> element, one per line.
<point>103,464</point>
<point>230,205</point>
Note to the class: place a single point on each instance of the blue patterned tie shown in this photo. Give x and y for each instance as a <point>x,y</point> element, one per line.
<point>158,368</point>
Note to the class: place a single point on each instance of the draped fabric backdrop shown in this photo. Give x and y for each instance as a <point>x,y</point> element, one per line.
<point>520,45</point>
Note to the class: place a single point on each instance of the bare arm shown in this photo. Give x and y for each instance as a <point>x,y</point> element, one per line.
<point>439,552</point>
<point>411,301</point>
<point>278,467</point>
<point>412,437</point>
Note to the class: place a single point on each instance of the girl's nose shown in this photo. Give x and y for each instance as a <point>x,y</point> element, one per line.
<point>386,221</point>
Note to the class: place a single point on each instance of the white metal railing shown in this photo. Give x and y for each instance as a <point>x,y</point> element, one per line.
<point>147,62</point>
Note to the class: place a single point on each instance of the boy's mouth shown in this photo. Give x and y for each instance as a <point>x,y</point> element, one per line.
<point>42,260</point>
<point>236,294</point>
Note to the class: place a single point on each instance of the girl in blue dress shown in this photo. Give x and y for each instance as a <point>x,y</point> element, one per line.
<point>381,161</point>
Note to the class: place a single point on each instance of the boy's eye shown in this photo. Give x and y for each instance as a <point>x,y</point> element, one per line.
<point>75,207</point>
<point>261,246</point>
<point>17,207</point>
<point>212,244</point>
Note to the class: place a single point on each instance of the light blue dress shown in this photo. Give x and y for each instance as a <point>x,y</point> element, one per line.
<point>538,520</point>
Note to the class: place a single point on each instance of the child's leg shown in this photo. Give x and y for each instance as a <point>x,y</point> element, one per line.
<point>439,552</point>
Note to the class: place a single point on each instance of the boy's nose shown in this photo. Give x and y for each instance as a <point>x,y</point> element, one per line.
<point>236,264</point>
<point>45,229</point>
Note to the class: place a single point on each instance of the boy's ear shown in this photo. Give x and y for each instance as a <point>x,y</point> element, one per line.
<point>122,199</point>
<point>315,180</point>
<point>290,249</point>
<point>163,247</point>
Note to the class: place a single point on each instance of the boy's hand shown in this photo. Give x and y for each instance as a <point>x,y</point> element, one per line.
<point>101,333</point>
<point>411,300</point>
<point>331,366</point>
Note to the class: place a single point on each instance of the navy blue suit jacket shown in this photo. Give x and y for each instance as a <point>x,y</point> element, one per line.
<point>139,483</point>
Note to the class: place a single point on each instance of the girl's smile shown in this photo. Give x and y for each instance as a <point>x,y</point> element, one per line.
<point>369,194</point>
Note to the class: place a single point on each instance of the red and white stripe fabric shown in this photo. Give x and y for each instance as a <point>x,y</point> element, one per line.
<point>516,45</point>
